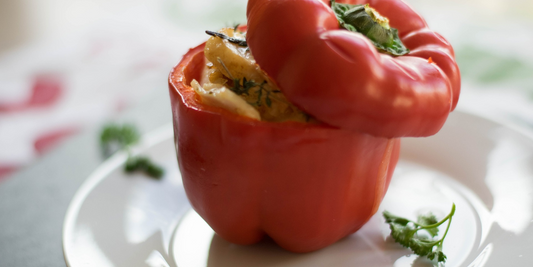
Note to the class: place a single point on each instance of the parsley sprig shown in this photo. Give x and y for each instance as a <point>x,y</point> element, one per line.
<point>116,137</point>
<point>406,232</point>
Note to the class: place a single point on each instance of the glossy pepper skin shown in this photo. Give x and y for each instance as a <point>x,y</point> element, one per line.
<point>341,79</point>
<point>304,185</point>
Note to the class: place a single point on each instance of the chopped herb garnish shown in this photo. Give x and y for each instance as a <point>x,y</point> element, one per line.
<point>259,94</point>
<point>144,164</point>
<point>406,232</point>
<point>268,101</point>
<point>243,88</point>
<point>115,137</point>
<point>237,41</point>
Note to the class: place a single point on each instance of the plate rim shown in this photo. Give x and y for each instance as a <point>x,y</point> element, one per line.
<point>147,141</point>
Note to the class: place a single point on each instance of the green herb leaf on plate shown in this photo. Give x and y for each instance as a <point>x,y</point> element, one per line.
<point>420,236</point>
<point>115,137</point>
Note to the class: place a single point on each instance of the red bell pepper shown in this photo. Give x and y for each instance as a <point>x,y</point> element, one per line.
<point>304,185</point>
<point>340,78</point>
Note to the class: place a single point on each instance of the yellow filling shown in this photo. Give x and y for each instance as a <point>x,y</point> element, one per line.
<point>383,21</point>
<point>232,80</point>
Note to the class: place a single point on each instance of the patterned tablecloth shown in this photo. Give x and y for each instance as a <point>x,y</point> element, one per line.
<point>55,88</point>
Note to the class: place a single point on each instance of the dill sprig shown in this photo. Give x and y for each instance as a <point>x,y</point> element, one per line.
<point>244,87</point>
<point>260,90</point>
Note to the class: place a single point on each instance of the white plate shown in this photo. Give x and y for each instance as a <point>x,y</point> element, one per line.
<point>484,167</point>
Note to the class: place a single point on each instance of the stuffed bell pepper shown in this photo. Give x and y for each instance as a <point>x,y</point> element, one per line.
<point>290,126</point>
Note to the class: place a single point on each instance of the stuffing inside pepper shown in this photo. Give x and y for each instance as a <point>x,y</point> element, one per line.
<point>241,86</point>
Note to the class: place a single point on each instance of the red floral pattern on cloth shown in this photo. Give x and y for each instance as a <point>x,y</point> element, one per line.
<point>6,170</point>
<point>48,140</point>
<point>51,91</point>
<point>46,90</point>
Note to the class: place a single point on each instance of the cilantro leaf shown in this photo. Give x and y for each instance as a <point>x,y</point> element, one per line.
<point>438,255</point>
<point>406,233</point>
<point>402,234</point>
<point>421,245</point>
<point>429,219</point>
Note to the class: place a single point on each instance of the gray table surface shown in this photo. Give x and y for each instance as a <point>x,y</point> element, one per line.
<point>33,202</point>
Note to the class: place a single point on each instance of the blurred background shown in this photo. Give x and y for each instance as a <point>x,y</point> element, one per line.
<point>70,65</point>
